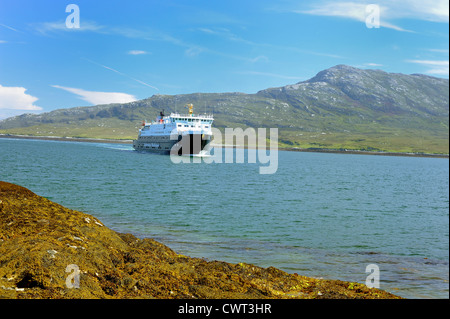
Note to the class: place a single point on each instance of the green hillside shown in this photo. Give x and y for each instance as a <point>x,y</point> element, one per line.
<point>340,108</point>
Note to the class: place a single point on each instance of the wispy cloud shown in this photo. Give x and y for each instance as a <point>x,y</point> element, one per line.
<point>148,34</point>
<point>60,26</point>
<point>15,98</point>
<point>260,58</point>
<point>438,50</point>
<point>190,50</point>
<point>121,73</point>
<point>226,34</point>
<point>428,10</point>
<point>372,64</point>
<point>230,36</point>
<point>367,65</point>
<point>97,98</point>
<point>137,52</point>
<point>434,67</point>
<point>194,51</point>
<point>9,27</point>
<point>351,10</point>
<point>268,74</point>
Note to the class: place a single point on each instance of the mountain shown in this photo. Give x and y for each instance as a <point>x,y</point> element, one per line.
<point>340,107</point>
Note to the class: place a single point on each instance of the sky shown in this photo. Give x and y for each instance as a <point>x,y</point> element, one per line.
<point>59,54</point>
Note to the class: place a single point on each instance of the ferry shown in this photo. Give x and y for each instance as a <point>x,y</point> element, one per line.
<point>176,134</point>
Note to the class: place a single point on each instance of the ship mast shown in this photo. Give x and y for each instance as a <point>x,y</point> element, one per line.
<point>191,108</point>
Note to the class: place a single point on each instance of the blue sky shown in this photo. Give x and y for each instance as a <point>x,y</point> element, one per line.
<point>129,50</point>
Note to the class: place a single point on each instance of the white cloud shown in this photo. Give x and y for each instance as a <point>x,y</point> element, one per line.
<point>338,9</point>
<point>439,50</point>
<point>372,64</point>
<point>435,67</point>
<point>137,52</point>
<point>207,30</point>
<point>15,98</point>
<point>99,97</point>
<point>428,10</point>
<point>351,10</point>
<point>58,26</point>
<point>430,62</point>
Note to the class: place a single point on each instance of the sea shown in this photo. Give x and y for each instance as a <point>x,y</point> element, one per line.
<point>322,215</point>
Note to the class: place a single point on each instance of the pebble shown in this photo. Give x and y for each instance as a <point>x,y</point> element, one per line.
<point>52,253</point>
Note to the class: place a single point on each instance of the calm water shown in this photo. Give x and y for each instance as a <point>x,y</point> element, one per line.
<point>320,215</point>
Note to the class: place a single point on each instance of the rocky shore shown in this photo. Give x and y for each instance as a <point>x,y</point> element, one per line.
<point>49,251</point>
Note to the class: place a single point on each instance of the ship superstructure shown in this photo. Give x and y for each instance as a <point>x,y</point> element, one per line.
<point>182,134</point>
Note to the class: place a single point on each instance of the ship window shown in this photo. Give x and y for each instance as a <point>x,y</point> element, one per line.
<point>206,126</point>
<point>186,125</point>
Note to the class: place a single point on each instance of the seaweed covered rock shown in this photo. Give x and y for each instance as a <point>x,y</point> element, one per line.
<point>49,251</point>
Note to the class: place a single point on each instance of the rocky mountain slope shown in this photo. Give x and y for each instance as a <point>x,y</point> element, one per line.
<point>344,90</point>
<point>341,107</point>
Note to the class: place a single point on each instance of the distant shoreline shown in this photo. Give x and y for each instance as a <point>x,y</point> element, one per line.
<point>366,152</point>
<point>67,139</point>
<point>290,149</point>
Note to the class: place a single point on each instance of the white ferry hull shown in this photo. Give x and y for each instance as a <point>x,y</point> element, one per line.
<point>189,144</point>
